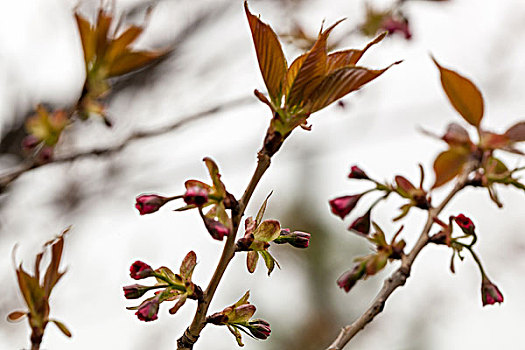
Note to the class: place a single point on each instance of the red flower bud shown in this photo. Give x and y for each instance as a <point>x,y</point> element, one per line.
<point>30,142</point>
<point>490,294</point>
<point>393,25</point>
<point>135,291</point>
<point>148,310</point>
<point>216,229</point>
<point>342,206</point>
<point>357,173</point>
<point>350,277</point>
<point>149,203</point>
<point>196,195</point>
<point>260,329</point>
<point>45,155</point>
<point>299,239</point>
<point>466,225</point>
<point>140,270</point>
<point>362,224</point>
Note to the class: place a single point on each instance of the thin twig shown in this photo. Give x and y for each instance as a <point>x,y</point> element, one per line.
<point>399,277</point>
<point>7,178</point>
<point>191,335</point>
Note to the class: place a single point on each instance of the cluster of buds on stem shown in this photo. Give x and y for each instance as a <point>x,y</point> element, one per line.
<point>170,287</point>
<point>238,317</point>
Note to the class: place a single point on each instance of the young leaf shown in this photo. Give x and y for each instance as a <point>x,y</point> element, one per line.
<point>16,315</point>
<point>62,328</point>
<point>267,231</point>
<point>516,132</point>
<point>344,58</point>
<point>269,260</point>
<point>132,61</point>
<point>261,211</point>
<point>464,96</point>
<point>449,164</point>
<point>269,54</point>
<point>235,331</point>
<point>251,260</point>
<point>188,265</point>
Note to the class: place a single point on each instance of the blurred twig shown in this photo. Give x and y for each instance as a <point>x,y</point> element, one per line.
<point>7,178</point>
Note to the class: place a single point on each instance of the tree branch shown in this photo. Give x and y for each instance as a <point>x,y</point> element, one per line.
<point>7,178</point>
<point>399,277</point>
<point>191,335</point>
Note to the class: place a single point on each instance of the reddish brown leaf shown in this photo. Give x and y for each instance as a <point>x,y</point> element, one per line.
<point>449,164</point>
<point>269,54</point>
<point>251,260</point>
<point>62,328</point>
<point>119,45</point>
<point>132,61</point>
<point>312,70</point>
<point>52,274</point>
<point>405,186</point>
<point>104,20</point>
<point>291,74</point>
<point>188,265</point>
<point>464,96</point>
<point>344,58</point>
<point>87,36</point>
<point>516,132</point>
<point>339,83</point>
<point>16,315</point>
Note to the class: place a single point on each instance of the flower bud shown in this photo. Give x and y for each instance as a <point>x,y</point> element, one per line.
<point>140,270</point>
<point>466,225</point>
<point>149,203</point>
<point>490,294</point>
<point>357,173</point>
<point>350,277</point>
<point>393,25</point>
<point>45,155</point>
<point>299,239</point>
<point>216,229</point>
<point>135,291</point>
<point>342,206</point>
<point>361,225</point>
<point>30,142</point>
<point>260,329</point>
<point>148,310</point>
<point>196,195</point>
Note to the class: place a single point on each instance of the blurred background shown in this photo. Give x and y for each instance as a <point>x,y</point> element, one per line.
<point>214,62</point>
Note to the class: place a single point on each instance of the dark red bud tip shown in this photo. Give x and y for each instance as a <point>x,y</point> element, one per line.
<point>350,277</point>
<point>361,225</point>
<point>342,206</point>
<point>140,270</point>
<point>45,155</point>
<point>134,291</point>
<point>299,239</point>
<point>196,195</point>
<point>393,25</point>
<point>260,329</point>
<point>30,142</point>
<point>148,310</point>
<point>490,294</point>
<point>149,203</point>
<point>465,224</point>
<point>357,173</point>
<point>216,229</point>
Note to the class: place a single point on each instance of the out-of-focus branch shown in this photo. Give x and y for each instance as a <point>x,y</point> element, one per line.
<point>7,178</point>
<point>399,277</point>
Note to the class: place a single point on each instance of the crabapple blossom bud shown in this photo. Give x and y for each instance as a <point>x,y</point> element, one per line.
<point>393,25</point>
<point>299,239</point>
<point>148,310</point>
<point>196,195</point>
<point>149,203</point>
<point>134,291</point>
<point>216,229</point>
<point>350,277</point>
<point>362,224</point>
<point>466,225</point>
<point>140,270</point>
<point>342,206</point>
<point>260,329</point>
<point>490,294</point>
<point>30,142</point>
<point>357,173</point>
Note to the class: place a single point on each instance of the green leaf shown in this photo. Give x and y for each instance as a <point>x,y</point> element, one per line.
<point>267,231</point>
<point>269,260</point>
<point>449,164</point>
<point>464,96</point>
<point>213,169</point>
<point>235,331</point>
<point>62,328</point>
<point>261,211</point>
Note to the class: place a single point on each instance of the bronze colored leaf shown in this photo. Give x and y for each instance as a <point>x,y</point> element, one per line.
<point>516,132</point>
<point>312,70</point>
<point>104,20</point>
<point>261,211</point>
<point>269,55</point>
<point>132,61</point>
<point>120,45</point>
<point>339,83</point>
<point>52,275</point>
<point>292,71</point>
<point>449,164</point>
<point>267,231</point>
<point>464,96</point>
<point>188,265</point>
<point>405,186</point>
<point>350,57</point>
<point>16,315</point>
<point>87,36</point>
<point>251,260</point>
<point>62,328</point>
